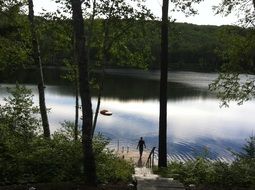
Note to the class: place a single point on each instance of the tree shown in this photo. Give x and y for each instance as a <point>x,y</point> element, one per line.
<point>186,7</point>
<point>238,55</point>
<point>82,60</point>
<point>245,9</point>
<point>120,18</point>
<point>162,161</point>
<point>248,150</point>
<point>105,35</point>
<point>19,112</point>
<point>14,46</point>
<point>56,43</point>
<point>37,60</point>
<point>13,54</point>
<point>19,125</point>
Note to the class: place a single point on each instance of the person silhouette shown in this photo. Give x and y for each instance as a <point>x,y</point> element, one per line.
<point>140,145</point>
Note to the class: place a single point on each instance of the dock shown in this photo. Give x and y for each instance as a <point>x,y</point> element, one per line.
<point>134,157</point>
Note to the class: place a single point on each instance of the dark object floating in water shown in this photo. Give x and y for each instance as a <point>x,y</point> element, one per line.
<point>106,112</point>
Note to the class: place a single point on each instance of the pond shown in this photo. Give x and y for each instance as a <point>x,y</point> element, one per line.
<point>196,124</point>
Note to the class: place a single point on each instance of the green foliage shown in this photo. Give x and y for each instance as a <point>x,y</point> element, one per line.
<point>13,52</point>
<point>111,169</point>
<point>210,175</point>
<point>236,49</point>
<point>55,39</point>
<point>206,174</point>
<point>248,150</point>
<point>40,160</point>
<point>185,6</point>
<point>233,87</point>
<point>237,52</point>
<point>131,42</point>
<point>243,8</point>
<point>116,30</point>
<point>67,130</point>
<point>56,160</point>
<point>133,38</point>
<point>27,157</point>
<point>192,47</point>
<point>19,113</point>
<point>137,52</point>
<point>192,172</point>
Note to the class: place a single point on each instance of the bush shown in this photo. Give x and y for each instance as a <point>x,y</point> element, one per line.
<point>111,169</point>
<point>56,160</point>
<point>26,157</point>
<point>207,174</point>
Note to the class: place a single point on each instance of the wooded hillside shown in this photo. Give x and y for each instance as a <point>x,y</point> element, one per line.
<point>192,47</point>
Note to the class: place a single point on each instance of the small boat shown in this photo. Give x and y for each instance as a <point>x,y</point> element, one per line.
<point>106,112</point>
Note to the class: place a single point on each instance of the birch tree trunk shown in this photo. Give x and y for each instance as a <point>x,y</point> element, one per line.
<point>76,122</point>
<point>37,60</point>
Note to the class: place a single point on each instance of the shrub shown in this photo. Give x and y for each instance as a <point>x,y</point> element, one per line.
<point>26,157</point>
<point>207,174</point>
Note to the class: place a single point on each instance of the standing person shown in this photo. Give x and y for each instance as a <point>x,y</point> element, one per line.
<point>141,144</point>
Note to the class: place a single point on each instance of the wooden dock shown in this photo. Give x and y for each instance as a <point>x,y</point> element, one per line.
<point>134,157</point>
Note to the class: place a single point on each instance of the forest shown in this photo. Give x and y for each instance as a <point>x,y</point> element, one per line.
<point>192,47</point>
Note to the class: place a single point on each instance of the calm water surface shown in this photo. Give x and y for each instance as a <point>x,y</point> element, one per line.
<point>196,123</point>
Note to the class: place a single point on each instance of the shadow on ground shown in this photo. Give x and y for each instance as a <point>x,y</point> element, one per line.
<point>67,186</point>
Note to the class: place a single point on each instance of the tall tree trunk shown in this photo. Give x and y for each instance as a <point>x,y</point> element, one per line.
<point>82,60</point>
<point>104,62</point>
<point>76,85</point>
<point>100,90</point>
<point>162,161</point>
<point>92,19</point>
<point>106,47</point>
<point>76,122</point>
<point>37,60</point>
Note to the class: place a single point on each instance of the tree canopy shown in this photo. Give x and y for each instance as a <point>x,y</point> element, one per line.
<point>238,55</point>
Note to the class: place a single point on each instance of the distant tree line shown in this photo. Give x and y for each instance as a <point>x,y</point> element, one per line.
<point>191,47</point>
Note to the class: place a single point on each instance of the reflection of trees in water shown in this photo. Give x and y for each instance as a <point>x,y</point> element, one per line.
<point>29,76</point>
<point>126,88</point>
<point>137,87</point>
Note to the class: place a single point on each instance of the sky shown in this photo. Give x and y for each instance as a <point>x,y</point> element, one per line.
<point>205,16</point>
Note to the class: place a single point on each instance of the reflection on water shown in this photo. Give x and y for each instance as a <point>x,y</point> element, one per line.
<point>144,89</point>
<point>193,125</point>
<point>196,124</point>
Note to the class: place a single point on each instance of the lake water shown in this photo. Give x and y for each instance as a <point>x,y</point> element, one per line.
<point>196,123</point>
